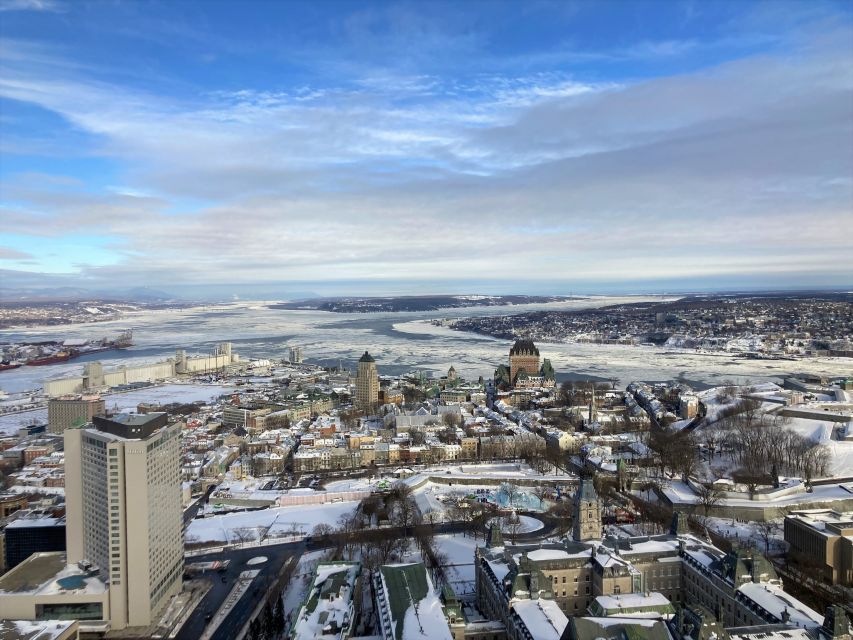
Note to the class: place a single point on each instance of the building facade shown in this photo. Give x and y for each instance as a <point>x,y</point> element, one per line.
<point>524,356</point>
<point>822,540</point>
<point>73,410</point>
<point>32,533</point>
<point>366,383</point>
<point>123,511</point>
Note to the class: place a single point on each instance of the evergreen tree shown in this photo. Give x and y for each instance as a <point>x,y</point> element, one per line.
<point>278,615</point>
<point>255,630</point>
<point>268,626</point>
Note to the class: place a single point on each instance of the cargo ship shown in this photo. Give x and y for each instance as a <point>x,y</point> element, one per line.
<point>53,358</point>
<point>54,352</point>
<point>123,341</point>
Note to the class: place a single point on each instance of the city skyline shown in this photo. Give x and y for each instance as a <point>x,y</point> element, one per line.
<point>418,148</point>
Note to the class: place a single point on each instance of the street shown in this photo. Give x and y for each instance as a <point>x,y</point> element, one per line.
<point>277,555</point>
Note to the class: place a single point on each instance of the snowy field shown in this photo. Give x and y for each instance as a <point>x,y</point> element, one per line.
<point>162,394</point>
<point>266,524</point>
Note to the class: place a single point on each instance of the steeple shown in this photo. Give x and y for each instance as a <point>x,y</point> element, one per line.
<point>587,524</point>
<point>593,412</point>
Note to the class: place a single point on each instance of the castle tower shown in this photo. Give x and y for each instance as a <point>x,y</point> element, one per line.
<point>524,355</point>
<point>587,524</point>
<point>366,383</point>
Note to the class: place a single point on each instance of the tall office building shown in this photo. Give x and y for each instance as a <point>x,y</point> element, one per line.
<point>123,510</point>
<point>71,410</point>
<point>296,355</point>
<point>366,383</point>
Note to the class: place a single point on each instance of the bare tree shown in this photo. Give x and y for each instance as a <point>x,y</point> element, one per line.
<point>542,491</point>
<point>563,513</point>
<point>511,492</point>
<point>513,525</point>
<point>767,530</point>
<point>451,420</point>
<point>243,535</point>
<point>708,496</point>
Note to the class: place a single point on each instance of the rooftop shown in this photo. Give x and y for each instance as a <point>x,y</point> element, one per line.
<point>543,618</point>
<point>415,610</point>
<point>35,629</point>
<point>524,347</point>
<point>131,425</point>
<point>48,574</point>
<point>328,610</point>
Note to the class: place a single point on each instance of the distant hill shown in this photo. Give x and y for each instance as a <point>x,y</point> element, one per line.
<point>413,303</point>
<point>76,294</point>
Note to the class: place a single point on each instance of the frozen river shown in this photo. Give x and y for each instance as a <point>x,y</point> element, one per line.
<point>399,341</point>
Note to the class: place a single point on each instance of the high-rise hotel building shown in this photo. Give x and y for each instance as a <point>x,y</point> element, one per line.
<point>123,511</point>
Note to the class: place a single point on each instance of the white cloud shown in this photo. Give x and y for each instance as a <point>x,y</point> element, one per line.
<point>737,169</point>
<point>30,5</point>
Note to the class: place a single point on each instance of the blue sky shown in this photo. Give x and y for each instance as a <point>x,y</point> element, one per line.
<point>569,146</point>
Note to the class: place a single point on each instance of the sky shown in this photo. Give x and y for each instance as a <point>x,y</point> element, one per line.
<point>426,147</point>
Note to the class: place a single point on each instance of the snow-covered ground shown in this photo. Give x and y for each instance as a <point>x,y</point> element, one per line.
<point>680,493</point>
<point>162,394</point>
<point>749,532</point>
<point>526,524</point>
<point>266,524</point>
<point>459,569</point>
<point>297,588</point>
<point>817,430</point>
<point>438,499</point>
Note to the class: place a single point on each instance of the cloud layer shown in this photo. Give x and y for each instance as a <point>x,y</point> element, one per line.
<point>741,168</point>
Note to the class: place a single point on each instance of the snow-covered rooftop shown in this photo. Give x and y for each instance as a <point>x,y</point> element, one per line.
<point>543,618</point>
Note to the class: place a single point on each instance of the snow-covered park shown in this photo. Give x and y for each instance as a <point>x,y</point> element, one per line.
<point>265,525</point>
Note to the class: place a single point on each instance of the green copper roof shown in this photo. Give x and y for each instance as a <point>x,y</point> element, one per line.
<point>405,585</point>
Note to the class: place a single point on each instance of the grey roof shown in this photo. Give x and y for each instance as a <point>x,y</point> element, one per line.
<point>524,347</point>
<point>366,358</point>
<point>586,491</point>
